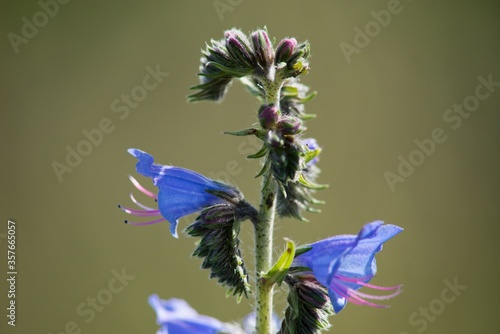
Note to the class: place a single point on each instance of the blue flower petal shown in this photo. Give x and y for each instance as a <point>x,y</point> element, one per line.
<point>359,262</point>
<point>175,316</point>
<point>181,191</point>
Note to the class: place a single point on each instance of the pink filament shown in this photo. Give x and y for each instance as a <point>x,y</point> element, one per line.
<point>145,223</point>
<point>357,297</point>
<point>141,188</point>
<point>368,296</point>
<point>353,298</point>
<point>359,281</point>
<point>147,212</point>
<point>140,212</point>
<point>136,202</point>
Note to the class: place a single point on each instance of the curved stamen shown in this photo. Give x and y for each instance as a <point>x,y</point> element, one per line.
<point>140,212</point>
<point>378,287</point>
<point>136,202</point>
<point>338,289</point>
<point>141,188</point>
<point>145,223</point>
<point>357,297</point>
<point>359,281</point>
<point>353,298</point>
<point>373,297</point>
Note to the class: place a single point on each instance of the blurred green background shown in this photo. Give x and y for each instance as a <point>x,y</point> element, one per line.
<point>396,89</point>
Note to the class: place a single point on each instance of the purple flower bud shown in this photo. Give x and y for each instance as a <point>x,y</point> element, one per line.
<point>285,50</point>
<point>288,125</point>
<point>268,116</point>
<point>309,305</point>
<point>294,55</point>
<point>239,48</point>
<point>263,48</point>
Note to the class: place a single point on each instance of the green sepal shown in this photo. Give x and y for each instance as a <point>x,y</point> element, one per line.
<point>253,88</point>
<point>306,117</point>
<point>313,210</point>
<point>310,155</point>
<point>302,180</point>
<point>264,169</point>
<point>290,91</point>
<point>238,73</point>
<point>262,152</point>
<point>278,272</point>
<point>302,249</point>
<point>240,133</point>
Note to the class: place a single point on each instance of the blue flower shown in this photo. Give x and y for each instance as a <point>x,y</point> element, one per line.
<point>312,145</point>
<point>345,263</point>
<point>181,192</point>
<point>175,316</point>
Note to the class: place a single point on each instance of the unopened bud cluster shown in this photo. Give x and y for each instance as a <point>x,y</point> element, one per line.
<point>237,56</point>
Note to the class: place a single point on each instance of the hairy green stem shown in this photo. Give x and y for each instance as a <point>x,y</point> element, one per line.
<point>264,226</point>
<point>263,254</point>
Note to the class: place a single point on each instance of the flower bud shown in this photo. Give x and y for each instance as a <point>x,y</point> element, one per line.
<point>268,116</point>
<point>285,49</point>
<point>308,305</point>
<point>289,125</point>
<point>239,48</point>
<point>263,49</point>
<point>303,50</point>
<point>294,55</point>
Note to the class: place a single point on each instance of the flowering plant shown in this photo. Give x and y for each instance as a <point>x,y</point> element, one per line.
<point>321,277</point>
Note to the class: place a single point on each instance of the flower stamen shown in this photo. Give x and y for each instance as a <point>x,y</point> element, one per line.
<point>359,298</point>
<point>141,188</point>
<point>140,213</point>
<point>145,223</point>
<point>136,202</point>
